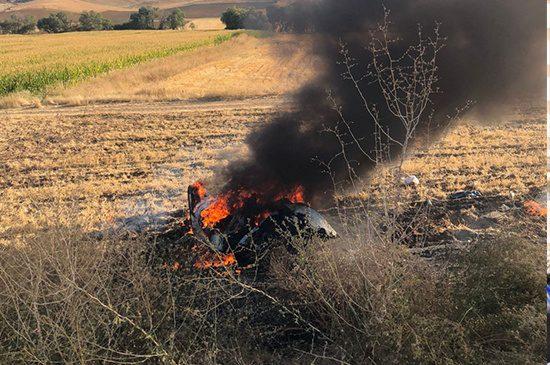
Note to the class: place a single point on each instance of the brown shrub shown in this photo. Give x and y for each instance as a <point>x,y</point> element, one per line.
<point>68,297</point>
<point>378,303</point>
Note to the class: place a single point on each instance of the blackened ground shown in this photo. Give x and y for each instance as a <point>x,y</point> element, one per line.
<point>430,228</point>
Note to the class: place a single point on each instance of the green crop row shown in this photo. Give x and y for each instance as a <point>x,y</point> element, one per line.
<point>38,81</point>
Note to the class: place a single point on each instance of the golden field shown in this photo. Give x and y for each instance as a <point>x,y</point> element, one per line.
<point>32,69</point>
<point>212,66</point>
<point>109,161</point>
<point>243,67</point>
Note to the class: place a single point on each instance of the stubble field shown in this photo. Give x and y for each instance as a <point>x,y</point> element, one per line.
<point>105,162</point>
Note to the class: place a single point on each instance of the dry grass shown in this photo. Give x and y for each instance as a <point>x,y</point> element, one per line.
<point>69,297</point>
<point>501,157</point>
<point>205,24</point>
<point>119,160</point>
<point>243,67</point>
<point>20,99</point>
<point>376,303</point>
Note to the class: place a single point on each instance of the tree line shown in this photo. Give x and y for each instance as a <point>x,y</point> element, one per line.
<point>145,18</point>
<point>281,19</point>
<point>296,18</point>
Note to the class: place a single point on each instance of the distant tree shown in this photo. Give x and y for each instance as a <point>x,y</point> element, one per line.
<point>256,20</point>
<point>298,17</point>
<point>121,26</point>
<point>91,20</point>
<point>175,20</point>
<point>55,23</point>
<point>10,25</point>
<point>143,19</point>
<point>239,18</point>
<point>16,25</point>
<point>27,25</point>
<point>233,18</point>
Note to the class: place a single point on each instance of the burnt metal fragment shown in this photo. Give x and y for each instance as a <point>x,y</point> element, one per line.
<point>238,233</point>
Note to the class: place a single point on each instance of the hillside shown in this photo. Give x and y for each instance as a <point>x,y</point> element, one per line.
<point>119,10</point>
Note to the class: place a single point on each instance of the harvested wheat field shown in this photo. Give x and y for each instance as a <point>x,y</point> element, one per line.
<point>111,161</point>
<point>243,67</point>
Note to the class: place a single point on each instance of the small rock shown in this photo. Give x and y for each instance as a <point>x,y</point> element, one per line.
<point>472,185</point>
<point>464,235</point>
<point>504,208</point>
<point>494,215</point>
<point>410,180</point>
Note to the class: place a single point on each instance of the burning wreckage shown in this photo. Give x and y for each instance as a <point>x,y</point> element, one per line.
<point>240,226</point>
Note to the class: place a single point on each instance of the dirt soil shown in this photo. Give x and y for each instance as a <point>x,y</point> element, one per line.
<point>434,228</point>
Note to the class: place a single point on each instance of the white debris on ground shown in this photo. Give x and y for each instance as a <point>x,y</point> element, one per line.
<point>410,180</point>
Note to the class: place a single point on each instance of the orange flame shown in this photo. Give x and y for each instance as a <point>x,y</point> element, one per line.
<point>174,267</point>
<point>534,209</point>
<point>215,212</point>
<point>214,260</point>
<point>227,203</point>
<point>201,190</point>
<point>296,195</point>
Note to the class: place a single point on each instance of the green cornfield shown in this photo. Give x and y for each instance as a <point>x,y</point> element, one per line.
<point>36,69</point>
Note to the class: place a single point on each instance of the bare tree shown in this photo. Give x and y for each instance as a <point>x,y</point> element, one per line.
<point>404,78</point>
<point>407,81</point>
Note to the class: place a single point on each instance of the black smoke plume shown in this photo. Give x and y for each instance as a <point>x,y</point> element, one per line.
<point>494,53</point>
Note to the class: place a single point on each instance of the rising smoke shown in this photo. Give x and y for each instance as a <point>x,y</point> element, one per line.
<point>493,54</point>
